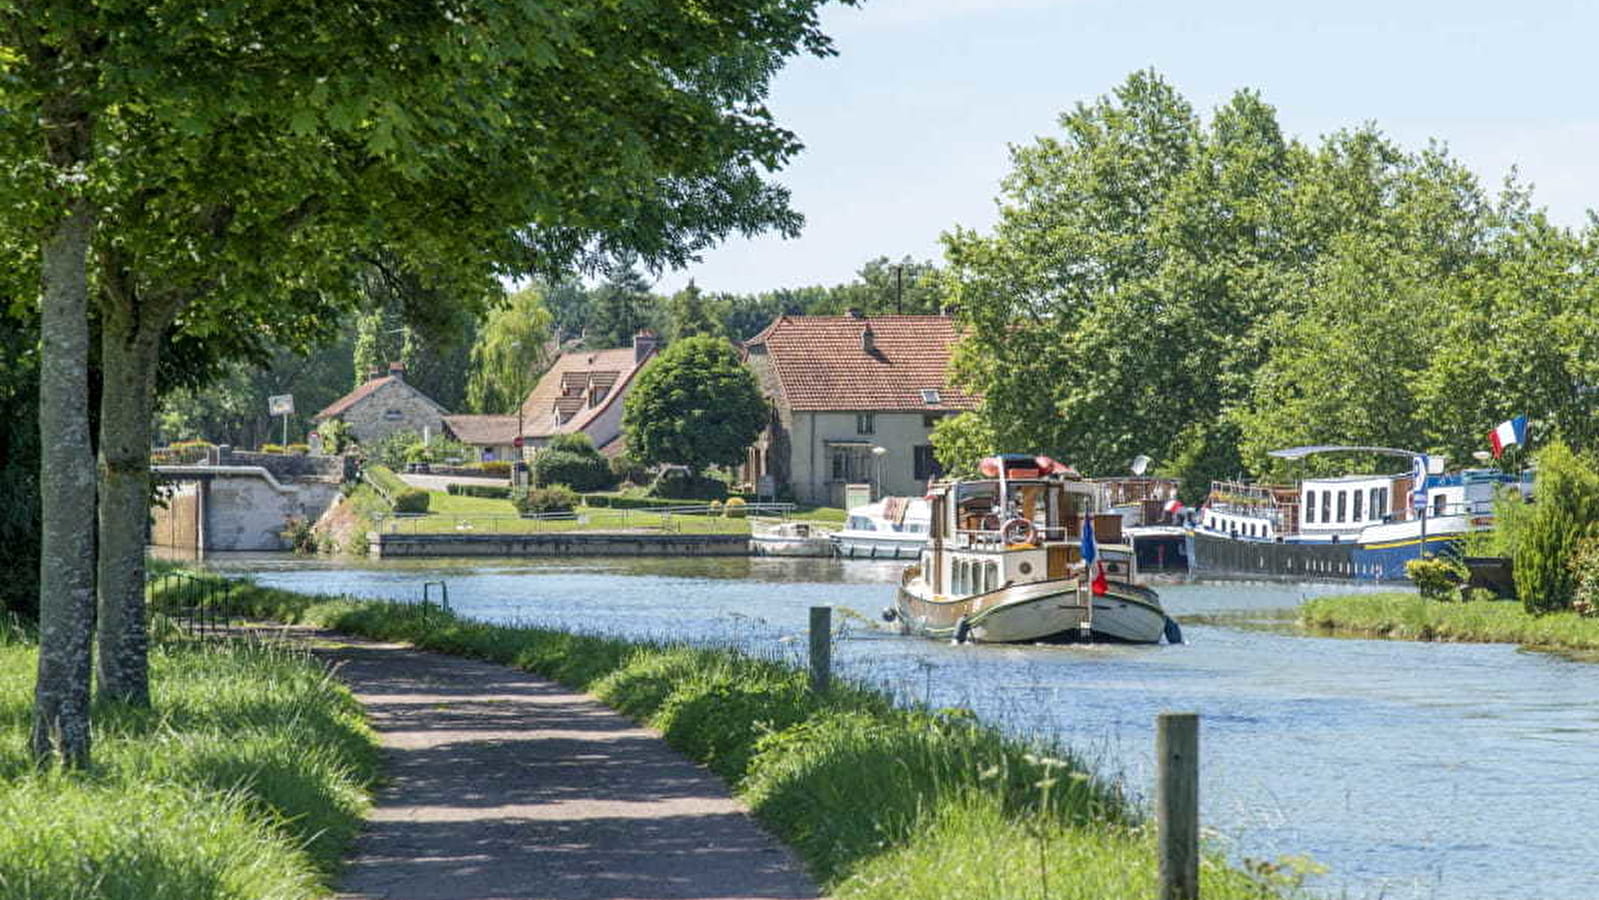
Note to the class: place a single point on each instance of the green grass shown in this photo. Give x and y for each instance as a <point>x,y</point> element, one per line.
<point>449,514</point>
<point>1409,616</point>
<point>880,801</point>
<point>247,780</point>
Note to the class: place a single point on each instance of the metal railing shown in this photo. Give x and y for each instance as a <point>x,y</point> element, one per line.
<point>198,606</point>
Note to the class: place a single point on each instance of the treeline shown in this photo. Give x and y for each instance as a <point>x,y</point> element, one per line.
<point>482,354</point>
<point>1205,291</point>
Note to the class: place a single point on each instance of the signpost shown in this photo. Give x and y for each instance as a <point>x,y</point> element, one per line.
<point>282,405</point>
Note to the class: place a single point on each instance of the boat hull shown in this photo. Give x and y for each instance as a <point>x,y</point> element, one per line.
<point>1379,560</point>
<point>865,546</point>
<point>1129,613</point>
<point>1025,613</point>
<point>763,545</point>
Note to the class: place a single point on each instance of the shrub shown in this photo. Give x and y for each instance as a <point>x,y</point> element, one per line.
<point>1585,572</point>
<point>301,534</point>
<point>385,481</point>
<point>486,491</point>
<point>625,469</point>
<point>716,507</point>
<point>1565,511</point>
<point>1436,577</point>
<point>734,508</point>
<point>336,436</point>
<point>271,448</point>
<point>574,442</point>
<point>411,500</point>
<point>680,485</point>
<point>554,498</point>
<point>298,449</point>
<point>579,471</point>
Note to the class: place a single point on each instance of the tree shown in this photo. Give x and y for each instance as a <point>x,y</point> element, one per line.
<point>695,405</point>
<point>350,132</point>
<point>691,313</point>
<point>512,350</point>
<point>623,306</point>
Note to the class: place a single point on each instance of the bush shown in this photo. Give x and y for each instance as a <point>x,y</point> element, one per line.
<point>500,467</point>
<point>300,532</point>
<point>1585,572</point>
<point>271,448</point>
<point>1436,577</point>
<point>298,449</point>
<point>579,471</point>
<point>574,442</point>
<point>734,508</point>
<point>680,485</point>
<point>486,491</point>
<point>554,498</point>
<point>411,500</point>
<point>626,469</point>
<point>1565,511</point>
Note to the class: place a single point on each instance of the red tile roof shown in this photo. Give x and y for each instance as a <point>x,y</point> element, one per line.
<point>483,431</point>
<point>567,383</point>
<point>821,364</point>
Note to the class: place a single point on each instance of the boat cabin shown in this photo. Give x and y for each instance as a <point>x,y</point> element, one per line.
<point>1022,524</point>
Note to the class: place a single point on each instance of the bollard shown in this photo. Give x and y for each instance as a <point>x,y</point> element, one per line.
<point>1177,804</point>
<point>821,647</point>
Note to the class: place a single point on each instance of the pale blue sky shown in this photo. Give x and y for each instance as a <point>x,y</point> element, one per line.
<point>906,129</point>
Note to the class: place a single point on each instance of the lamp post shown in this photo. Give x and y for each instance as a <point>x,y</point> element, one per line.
<point>520,466</point>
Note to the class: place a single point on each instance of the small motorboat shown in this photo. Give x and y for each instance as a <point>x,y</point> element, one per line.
<point>788,538</point>
<point>891,528</point>
<point>1013,557</point>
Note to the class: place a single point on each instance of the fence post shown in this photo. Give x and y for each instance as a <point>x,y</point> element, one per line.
<point>1177,804</point>
<point>821,647</point>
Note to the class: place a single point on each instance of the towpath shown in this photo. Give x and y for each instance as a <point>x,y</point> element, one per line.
<point>502,785</point>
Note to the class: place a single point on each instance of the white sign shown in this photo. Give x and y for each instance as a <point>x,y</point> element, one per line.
<point>280,404</point>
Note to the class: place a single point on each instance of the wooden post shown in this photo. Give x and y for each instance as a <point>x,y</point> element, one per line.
<point>1177,804</point>
<point>821,647</point>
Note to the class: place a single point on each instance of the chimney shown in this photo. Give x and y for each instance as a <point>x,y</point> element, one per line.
<point>868,341</point>
<point>854,312</point>
<point>644,343</point>
<point>374,372</point>
<point>397,371</point>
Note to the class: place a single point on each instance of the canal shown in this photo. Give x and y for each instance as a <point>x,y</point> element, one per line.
<point>1409,770</point>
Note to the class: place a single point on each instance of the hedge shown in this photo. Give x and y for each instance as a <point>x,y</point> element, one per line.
<point>555,498</point>
<point>486,491</point>
<point>580,472</point>
<point>399,495</point>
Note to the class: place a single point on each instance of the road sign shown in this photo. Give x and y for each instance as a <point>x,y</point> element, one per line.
<point>517,442</point>
<point>280,404</point>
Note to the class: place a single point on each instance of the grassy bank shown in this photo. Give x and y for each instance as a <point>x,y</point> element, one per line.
<point>880,801</point>
<point>1409,616</point>
<point>248,780</point>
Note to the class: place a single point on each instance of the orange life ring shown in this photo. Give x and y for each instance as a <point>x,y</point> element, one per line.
<point>1028,531</point>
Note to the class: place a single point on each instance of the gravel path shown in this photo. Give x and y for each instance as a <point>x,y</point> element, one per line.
<point>502,786</point>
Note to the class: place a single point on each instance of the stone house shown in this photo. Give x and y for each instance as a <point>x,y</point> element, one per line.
<point>383,405</point>
<point>855,401</point>
<point>583,391</point>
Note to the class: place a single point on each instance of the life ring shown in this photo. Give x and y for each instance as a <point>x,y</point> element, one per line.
<point>1018,531</point>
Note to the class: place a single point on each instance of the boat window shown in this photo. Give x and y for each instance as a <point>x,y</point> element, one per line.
<point>1439,503</point>
<point>1326,507</point>
<point>1356,515</point>
<point>1310,506</point>
<point>1376,503</point>
<point>861,523</point>
<point>1343,503</point>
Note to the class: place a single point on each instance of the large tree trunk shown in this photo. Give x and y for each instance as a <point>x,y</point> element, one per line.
<point>128,353</point>
<point>67,486</point>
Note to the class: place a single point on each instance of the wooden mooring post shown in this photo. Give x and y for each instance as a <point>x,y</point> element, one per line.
<point>1177,804</point>
<point>821,647</point>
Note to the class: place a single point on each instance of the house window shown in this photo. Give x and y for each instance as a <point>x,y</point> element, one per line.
<point>865,423</point>
<point>393,415</point>
<point>930,397</point>
<point>926,463</point>
<point>930,420</point>
<point>1356,517</point>
<point>1310,507</point>
<point>851,462</point>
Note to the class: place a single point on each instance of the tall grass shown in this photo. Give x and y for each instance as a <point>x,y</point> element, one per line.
<point>1409,616</point>
<point>247,779</point>
<point>879,800</point>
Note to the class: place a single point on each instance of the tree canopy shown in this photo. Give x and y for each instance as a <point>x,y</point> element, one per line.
<point>696,404</point>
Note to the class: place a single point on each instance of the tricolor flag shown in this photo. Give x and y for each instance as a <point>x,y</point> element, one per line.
<point>1508,433</point>
<point>1100,585</point>
<point>1173,507</point>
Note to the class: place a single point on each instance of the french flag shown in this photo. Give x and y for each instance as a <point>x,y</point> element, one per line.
<point>1513,432</point>
<point>1090,549</point>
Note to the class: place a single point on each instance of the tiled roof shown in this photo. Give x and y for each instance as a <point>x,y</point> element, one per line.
<point>343,404</point>
<point>566,386</point>
<point>822,365</point>
<point>482,431</point>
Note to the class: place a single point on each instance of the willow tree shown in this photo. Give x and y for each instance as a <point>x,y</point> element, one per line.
<point>513,348</point>
<point>206,163</point>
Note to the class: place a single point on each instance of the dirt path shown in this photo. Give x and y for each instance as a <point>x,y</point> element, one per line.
<point>502,785</point>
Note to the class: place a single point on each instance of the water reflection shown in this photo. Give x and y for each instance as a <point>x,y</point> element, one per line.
<point>1412,770</point>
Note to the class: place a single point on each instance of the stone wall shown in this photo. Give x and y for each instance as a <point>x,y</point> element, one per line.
<point>289,465</point>
<point>395,406</point>
<point>561,544</point>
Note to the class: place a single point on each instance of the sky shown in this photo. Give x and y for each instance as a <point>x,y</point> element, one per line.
<point>907,129</point>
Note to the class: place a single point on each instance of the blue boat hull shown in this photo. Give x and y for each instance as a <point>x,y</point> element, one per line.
<point>1217,555</point>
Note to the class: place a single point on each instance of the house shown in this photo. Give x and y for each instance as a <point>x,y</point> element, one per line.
<point>583,391</point>
<point>384,405</point>
<point>856,399</point>
<point>493,437</point>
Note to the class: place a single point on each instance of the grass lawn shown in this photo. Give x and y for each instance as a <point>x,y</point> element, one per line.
<point>247,780</point>
<point>449,514</point>
<point>880,801</point>
<point>1409,616</point>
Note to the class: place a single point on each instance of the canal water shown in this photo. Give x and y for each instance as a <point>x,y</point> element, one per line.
<point>1410,770</point>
